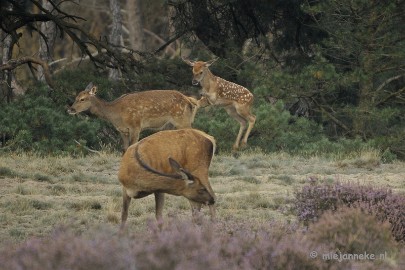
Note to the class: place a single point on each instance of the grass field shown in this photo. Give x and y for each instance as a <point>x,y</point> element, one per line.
<point>38,194</point>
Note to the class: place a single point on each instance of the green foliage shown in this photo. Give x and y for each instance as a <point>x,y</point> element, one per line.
<point>35,123</point>
<point>72,81</point>
<point>275,130</point>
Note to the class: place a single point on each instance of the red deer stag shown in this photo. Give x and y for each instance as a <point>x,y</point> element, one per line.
<point>235,99</point>
<point>172,161</point>
<point>132,113</point>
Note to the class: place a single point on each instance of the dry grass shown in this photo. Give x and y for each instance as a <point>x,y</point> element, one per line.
<point>38,194</point>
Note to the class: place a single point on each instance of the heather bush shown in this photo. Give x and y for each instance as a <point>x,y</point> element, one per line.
<point>352,230</point>
<point>185,245</point>
<point>230,245</point>
<point>66,250</point>
<point>180,245</point>
<point>313,199</point>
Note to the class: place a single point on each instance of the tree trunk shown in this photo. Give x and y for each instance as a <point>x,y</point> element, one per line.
<point>3,88</point>
<point>115,34</point>
<point>365,97</point>
<point>135,25</point>
<point>46,45</point>
<point>171,13</point>
<point>7,51</point>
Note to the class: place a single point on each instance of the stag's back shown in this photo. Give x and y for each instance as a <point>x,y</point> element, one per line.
<point>191,148</point>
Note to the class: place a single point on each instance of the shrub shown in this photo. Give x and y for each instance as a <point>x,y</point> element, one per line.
<point>36,123</point>
<point>180,245</point>
<point>314,199</point>
<point>352,230</point>
<point>67,250</point>
<point>185,245</point>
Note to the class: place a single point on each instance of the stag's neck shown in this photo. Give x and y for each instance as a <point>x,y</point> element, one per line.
<point>167,185</point>
<point>174,186</point>
<point>175,189</point>
<point>103,109</point>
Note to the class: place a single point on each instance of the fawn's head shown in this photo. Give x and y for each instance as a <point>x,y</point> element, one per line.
<point>200,69</point>
<point>82,102</point>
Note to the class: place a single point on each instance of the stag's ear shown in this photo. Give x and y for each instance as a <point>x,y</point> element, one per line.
<point>185,175</point>
<point>93,90</point>
<point>188,62</point>
<point>209,63</point>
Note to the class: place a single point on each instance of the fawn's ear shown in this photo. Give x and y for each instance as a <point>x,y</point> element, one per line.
<point>209,63</point>
<point>93,90</point>
<point>188,62</point>
<point>89,86</point>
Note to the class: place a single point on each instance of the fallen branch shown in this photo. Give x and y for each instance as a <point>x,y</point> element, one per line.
<point>88,149</point>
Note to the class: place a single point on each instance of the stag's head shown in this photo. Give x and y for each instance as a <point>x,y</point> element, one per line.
<point>83,102</point>
<point>200,69</point>
<point>197,190</point>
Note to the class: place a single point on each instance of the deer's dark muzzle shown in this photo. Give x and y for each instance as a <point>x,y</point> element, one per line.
<point>211,202</point>
<point>195,82</point>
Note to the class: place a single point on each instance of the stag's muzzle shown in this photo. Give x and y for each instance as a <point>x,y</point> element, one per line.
<point>195,82</point>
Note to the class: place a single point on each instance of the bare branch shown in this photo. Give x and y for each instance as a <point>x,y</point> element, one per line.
<point>331,117</point>
<point>388,81</point>
<point>397,93</point>
<point>14,63</point>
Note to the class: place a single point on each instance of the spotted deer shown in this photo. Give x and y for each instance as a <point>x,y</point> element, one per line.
<point>171,161</point>
<point>235,99</point>
<point>132,113</point>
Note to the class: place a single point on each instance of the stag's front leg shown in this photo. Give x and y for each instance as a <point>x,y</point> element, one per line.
<point>125,205</point>
<point>195,210</point>
<point>213,213</point>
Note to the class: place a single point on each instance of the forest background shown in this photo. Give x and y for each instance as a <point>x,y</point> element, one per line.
<point>328,76</point>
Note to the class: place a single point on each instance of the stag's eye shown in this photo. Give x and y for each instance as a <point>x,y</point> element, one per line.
<point>202,191</point>
<point>82,99</point>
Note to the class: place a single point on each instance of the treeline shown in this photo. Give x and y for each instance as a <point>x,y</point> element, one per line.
<point>328,77</point>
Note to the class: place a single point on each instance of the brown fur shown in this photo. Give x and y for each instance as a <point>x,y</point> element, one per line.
<point>132,113</point>
<point>149,166</point>
<point>234,98</point>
